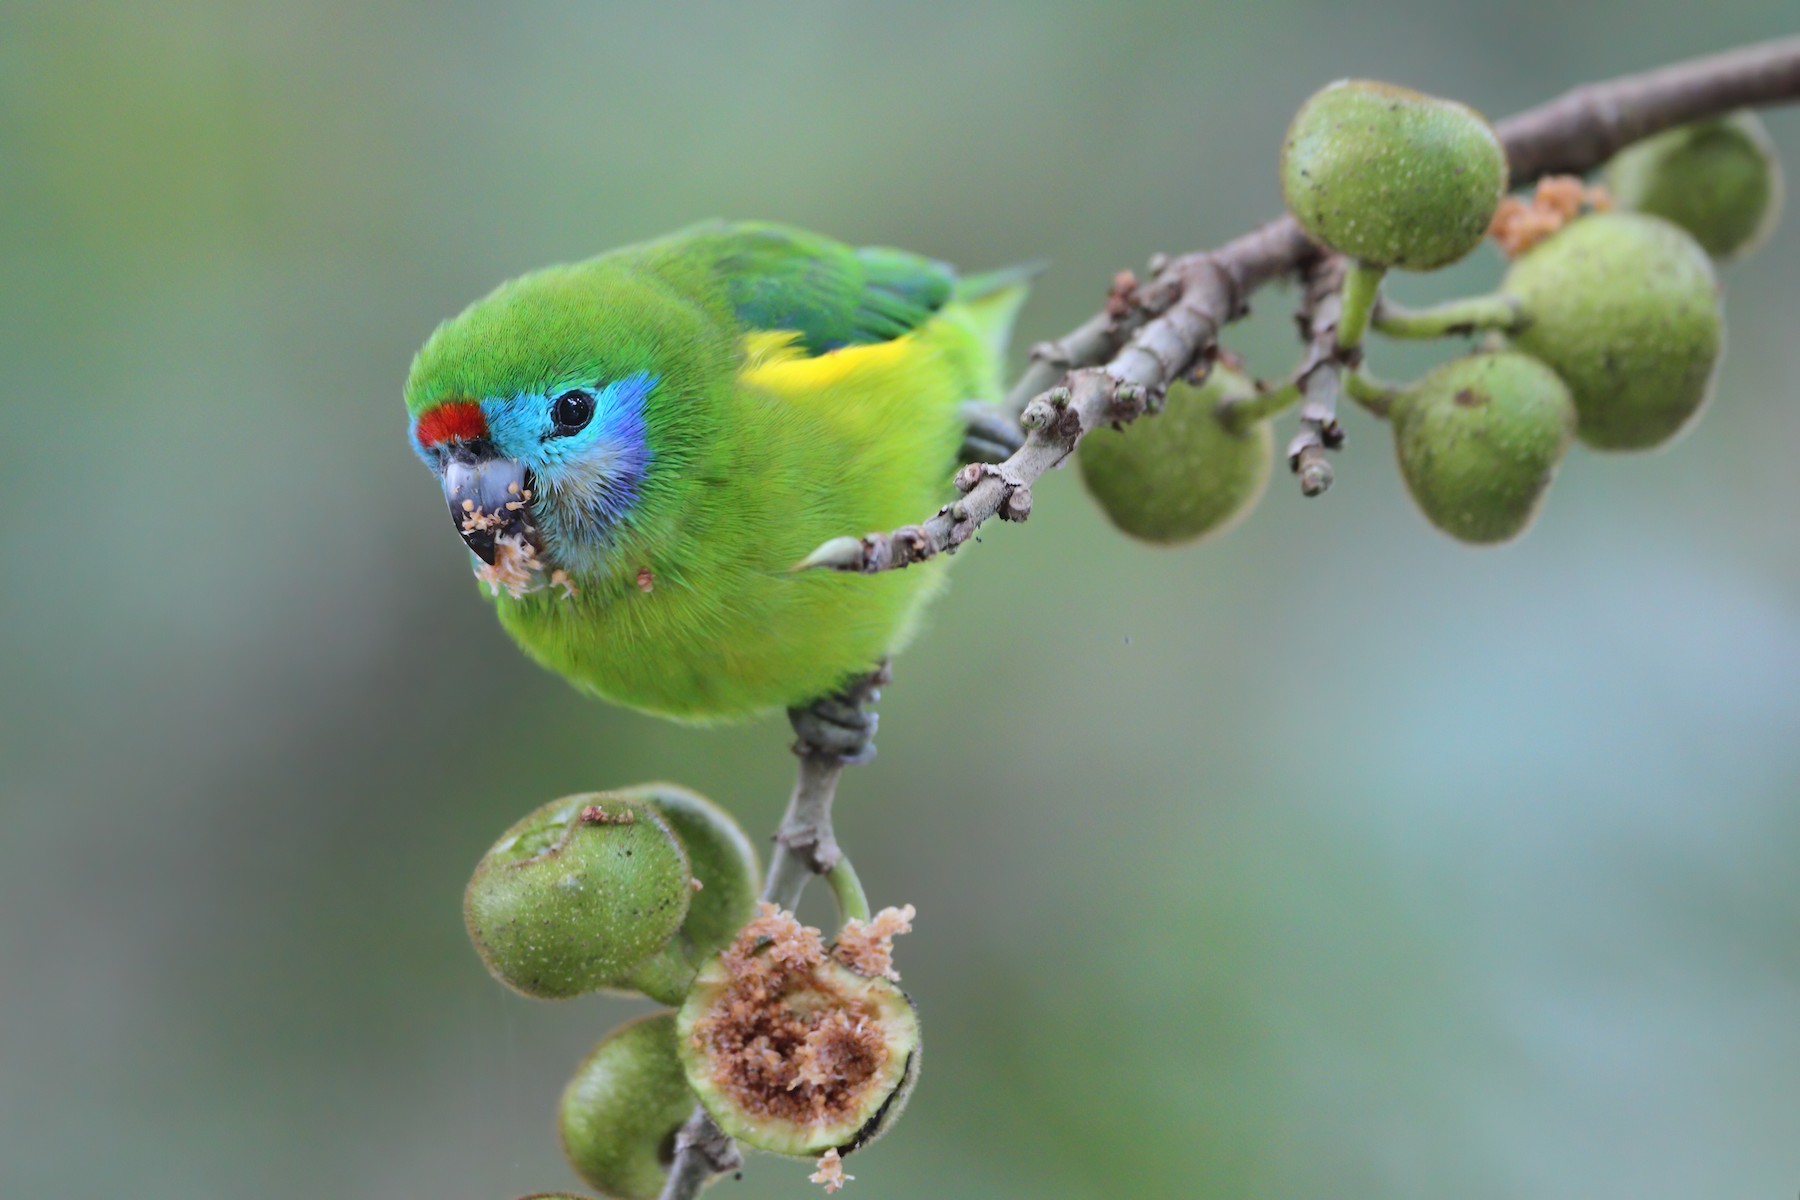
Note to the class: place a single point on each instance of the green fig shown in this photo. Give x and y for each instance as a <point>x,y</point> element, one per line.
<point>1182,474</point>
<point>587,892</point>
<point>1479,440</point>
<point>1720,180</point>
<point>792,1050</point>
<point>1391,176</point>
<point>721,856</point>
<point>622,1110</point>
<point>1625,307</point>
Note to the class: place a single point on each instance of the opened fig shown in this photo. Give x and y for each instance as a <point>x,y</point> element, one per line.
<point>793,1050</point>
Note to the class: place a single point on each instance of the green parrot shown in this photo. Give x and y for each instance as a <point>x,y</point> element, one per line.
<point>637,450</point>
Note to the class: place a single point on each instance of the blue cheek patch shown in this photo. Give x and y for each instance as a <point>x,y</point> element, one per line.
<point>595,473</point>
<point>616,429</point>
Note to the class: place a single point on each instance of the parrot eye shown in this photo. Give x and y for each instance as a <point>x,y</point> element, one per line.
<point>571,412</point>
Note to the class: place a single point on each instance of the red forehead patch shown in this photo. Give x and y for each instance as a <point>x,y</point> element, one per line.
<point>453,419</point>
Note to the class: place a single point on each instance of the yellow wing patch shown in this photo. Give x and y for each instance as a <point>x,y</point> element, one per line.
<point>773,360</point>
<point>764,346</point>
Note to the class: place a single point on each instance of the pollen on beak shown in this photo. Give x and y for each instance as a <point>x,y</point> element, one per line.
<point>489,499</point>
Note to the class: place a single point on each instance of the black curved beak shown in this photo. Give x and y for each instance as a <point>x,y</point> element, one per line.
<point>488,499</point>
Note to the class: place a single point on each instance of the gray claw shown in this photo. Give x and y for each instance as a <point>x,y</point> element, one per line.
<point>989,433</point>
<point>841,726</point>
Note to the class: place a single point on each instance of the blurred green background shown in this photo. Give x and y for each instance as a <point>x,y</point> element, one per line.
<point>1333,859</point>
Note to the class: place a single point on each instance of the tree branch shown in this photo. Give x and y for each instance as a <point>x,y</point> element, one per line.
<point>829,735</point>
<point>1170,325</point>
<point>1148,336</point>
<point>1320,374</point>
<point>1585,126</point>
<point>1208,290</point>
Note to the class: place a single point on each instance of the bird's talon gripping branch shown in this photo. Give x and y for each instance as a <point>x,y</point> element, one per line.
<point>990,433</point>
<point>841,726</point>
<point>976,449</point>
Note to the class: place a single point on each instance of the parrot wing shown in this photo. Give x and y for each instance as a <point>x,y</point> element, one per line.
<point>824,293</point>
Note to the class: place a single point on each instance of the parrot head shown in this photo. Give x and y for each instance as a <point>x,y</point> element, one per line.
<point>551,467</point>
<point>533,408</point>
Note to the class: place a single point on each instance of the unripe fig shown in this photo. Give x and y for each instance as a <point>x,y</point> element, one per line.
<point>1479,440</point>
<point>621,1111</point>
<point>1625,307</point>
<point>1391,176</point>
<point>790,1049</point>
<point>1720,180</point>
<point>721,857</point>
<point>587,892</point>
<point>1182,474</point>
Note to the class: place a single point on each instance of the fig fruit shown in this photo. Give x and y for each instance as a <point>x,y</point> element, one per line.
<point>1479,440</point>
<point>621,1111</point>
<point>1391,176</point>
<point>1182,474</point>
<point>791,1050</point>
<point>1625,307</point>
<point>722,859</point>
<point>587,892</point>
<point>1720,180</point>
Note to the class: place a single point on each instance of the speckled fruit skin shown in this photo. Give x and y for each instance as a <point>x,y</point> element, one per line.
<point>721,856</point>
<point>621,1110</point>
<point>1479,440</point>
<point>1391,176</point>
<point>887,1092</point>
<point>1720,180</point>
<point>1180,475</point>
<point>1625,307</point>
<point>560,906</point>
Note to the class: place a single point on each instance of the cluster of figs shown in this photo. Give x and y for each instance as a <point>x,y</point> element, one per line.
<point>654,890</point>
<point>1607,330</point>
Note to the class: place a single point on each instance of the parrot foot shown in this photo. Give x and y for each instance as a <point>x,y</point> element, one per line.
<point>989,433</point>
<point>841,726</point>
